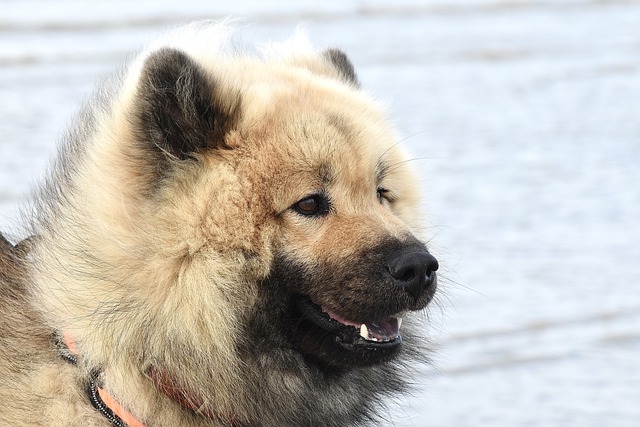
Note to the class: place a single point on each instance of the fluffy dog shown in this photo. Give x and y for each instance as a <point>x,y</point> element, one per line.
<point>226,238</point>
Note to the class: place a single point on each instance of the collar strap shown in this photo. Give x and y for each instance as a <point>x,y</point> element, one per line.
<point>189,400</point>
<point>99,398</point>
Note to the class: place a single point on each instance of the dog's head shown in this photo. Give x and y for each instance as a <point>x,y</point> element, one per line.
<point>328,198</point>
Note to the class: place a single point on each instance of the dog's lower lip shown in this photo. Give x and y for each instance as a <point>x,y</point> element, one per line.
<point>349,334</point>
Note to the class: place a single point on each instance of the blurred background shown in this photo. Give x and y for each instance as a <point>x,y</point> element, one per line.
<point>523,117</point>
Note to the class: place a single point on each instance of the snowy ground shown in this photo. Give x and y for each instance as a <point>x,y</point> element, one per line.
<point>524,117</point>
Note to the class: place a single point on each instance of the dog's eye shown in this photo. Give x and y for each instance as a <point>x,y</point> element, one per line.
<point>315,205</point>
<point>383,195</point>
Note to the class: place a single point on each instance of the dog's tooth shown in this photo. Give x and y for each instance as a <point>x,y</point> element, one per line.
<point>364,332</point>
<point>399,322</point>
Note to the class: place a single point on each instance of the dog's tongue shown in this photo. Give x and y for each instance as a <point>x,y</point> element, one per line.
<point>384,330</point>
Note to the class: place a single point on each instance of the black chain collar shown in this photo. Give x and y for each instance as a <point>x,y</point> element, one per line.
<point>98,403</point>
<point>92,385</point>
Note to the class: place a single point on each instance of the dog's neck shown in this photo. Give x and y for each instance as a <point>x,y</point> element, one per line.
<point>163,382</point>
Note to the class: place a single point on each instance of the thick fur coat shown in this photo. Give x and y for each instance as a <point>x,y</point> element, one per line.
<point>227,237</point>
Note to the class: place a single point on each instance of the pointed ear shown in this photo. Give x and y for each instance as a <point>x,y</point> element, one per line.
<point>178,111</point>
<point>343,65</point>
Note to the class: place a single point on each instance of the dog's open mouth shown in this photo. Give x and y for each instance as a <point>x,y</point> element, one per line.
<point>381,334</point>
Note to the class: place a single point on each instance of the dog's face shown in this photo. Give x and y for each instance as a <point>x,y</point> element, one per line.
<point>346,265</point>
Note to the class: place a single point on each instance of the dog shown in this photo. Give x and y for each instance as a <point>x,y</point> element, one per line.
<point>228,237</point>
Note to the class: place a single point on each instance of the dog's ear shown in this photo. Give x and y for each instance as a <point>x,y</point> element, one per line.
<point>178,111</point>
<point>343,65</point>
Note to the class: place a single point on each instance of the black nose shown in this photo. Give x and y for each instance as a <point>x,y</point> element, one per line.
<point>414,272</point>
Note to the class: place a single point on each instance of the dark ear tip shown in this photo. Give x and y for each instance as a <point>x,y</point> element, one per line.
<point>343,65</point>
<point>163,56</point>
<point>178,109</point>
<point>161,73</point>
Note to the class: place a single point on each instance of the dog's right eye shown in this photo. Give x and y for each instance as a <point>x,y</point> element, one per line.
<point>315,205</point>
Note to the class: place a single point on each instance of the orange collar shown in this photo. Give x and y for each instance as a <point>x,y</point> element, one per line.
<point>107,405</point>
